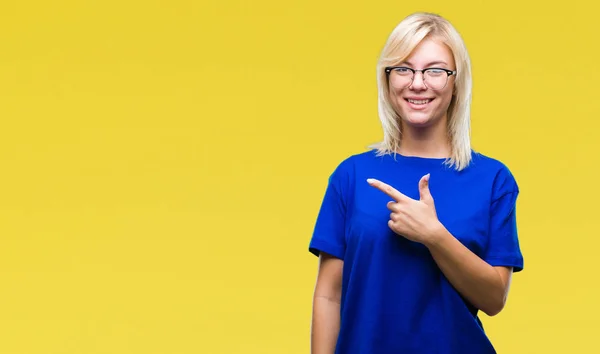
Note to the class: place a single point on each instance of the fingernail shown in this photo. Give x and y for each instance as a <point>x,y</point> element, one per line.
<point>370,180</point>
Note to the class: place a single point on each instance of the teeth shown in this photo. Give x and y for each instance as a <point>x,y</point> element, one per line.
<point>418,101</point>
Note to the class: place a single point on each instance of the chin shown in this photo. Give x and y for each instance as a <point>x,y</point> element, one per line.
<point>418,121</point>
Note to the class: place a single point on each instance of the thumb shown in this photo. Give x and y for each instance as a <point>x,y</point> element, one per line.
<point>424,192</point>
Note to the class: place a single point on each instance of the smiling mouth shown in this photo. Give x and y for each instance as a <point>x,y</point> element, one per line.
<point>419,102</point>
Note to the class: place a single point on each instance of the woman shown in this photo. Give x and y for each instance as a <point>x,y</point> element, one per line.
<point>418,234</point>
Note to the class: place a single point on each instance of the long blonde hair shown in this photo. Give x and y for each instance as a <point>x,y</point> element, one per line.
<point>402,41</point>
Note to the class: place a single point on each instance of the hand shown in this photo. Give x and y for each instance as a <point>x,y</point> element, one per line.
<point>413,219</point>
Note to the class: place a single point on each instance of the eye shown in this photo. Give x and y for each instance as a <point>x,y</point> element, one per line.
<point>435,72</point>
<point>403,71</point>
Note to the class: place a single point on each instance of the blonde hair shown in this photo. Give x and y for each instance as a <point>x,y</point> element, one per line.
<point>400,44</point>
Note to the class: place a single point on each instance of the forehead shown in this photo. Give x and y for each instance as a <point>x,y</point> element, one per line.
<point>429,51</point>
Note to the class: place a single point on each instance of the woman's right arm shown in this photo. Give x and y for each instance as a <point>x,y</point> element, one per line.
<point>326,305</point>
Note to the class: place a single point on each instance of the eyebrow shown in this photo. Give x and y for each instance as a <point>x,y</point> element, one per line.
<point>430,64</point>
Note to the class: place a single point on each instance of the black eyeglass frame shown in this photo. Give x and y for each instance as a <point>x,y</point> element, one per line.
<point>388,70</point>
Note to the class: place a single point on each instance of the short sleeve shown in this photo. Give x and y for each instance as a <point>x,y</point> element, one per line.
<point>329,230</point>
<point>503,244</point>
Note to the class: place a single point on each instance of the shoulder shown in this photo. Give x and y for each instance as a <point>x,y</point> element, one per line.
<point>351,162</point>
<point>500,175</point>
<point>343,173</point>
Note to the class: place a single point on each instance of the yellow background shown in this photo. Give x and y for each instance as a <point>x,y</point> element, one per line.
<point>163,163</point>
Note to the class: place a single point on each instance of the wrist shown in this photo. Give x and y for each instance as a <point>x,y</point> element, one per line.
<point>437,235</point>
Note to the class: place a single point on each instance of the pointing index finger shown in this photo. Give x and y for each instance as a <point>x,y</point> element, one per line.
<point>386,188</point>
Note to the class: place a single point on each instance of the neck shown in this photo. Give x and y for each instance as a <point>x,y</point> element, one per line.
<point>431,141</point>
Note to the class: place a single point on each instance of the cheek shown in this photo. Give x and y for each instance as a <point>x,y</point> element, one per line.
<point>444,100</point>
<point>396,99</point>
<point>395,92</point>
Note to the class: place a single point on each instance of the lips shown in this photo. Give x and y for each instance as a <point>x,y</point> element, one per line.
<point>418,103</point>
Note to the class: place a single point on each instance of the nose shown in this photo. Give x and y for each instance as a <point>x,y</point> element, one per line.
<point>418,82</point>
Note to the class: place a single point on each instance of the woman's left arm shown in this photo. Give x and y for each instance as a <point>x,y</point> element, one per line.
<point>483,285</point>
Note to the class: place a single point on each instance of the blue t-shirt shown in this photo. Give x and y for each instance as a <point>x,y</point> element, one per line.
<point>395,299</point>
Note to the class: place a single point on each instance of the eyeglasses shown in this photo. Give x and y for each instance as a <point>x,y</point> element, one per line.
<point>433,78</point>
